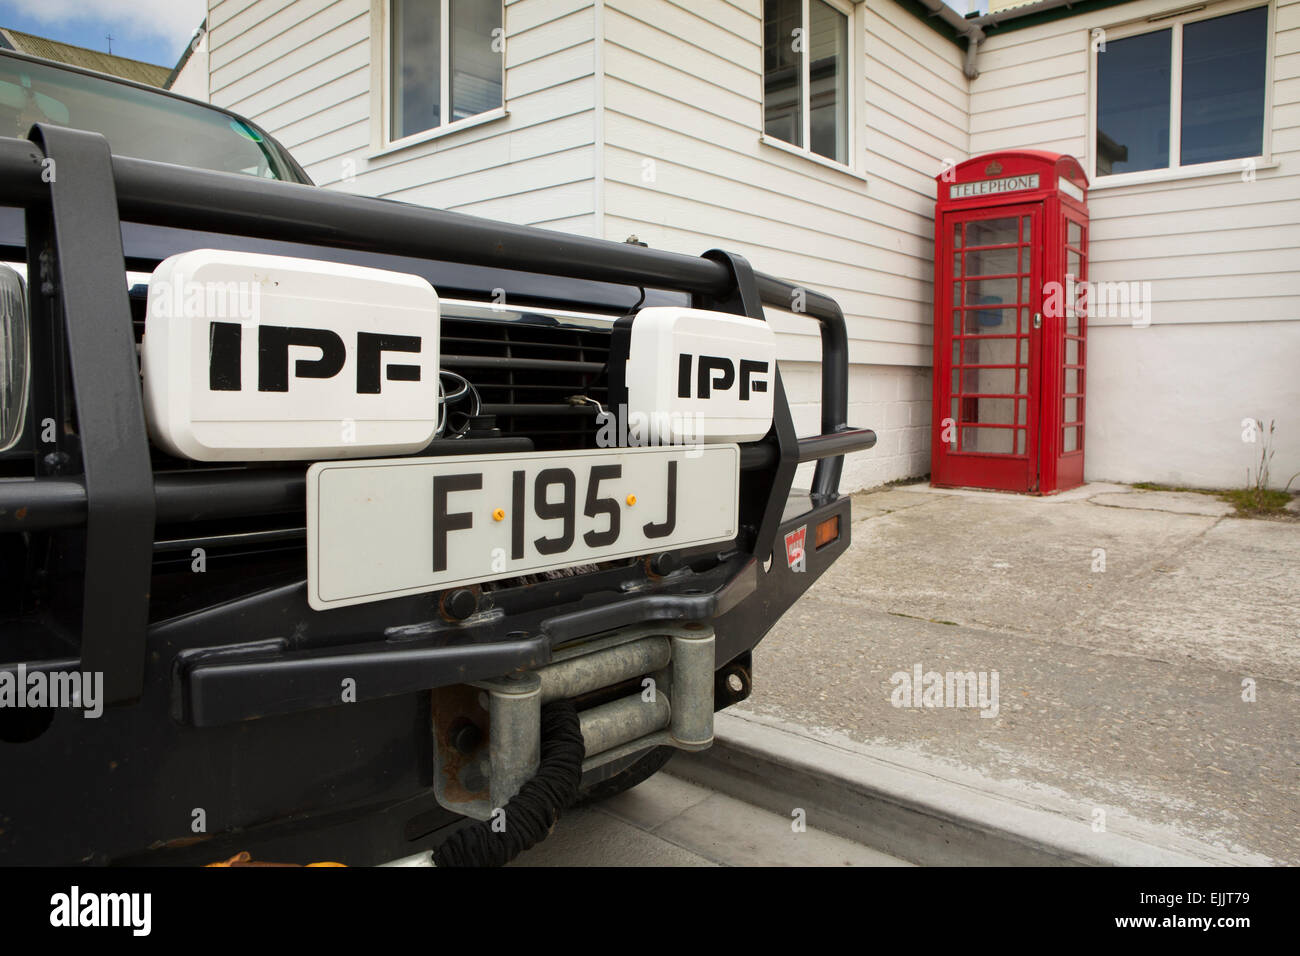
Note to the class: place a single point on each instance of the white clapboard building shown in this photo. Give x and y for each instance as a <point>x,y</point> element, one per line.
<point>808,134</point>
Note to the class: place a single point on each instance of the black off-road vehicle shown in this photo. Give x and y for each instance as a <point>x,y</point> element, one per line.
<point>316,509</point>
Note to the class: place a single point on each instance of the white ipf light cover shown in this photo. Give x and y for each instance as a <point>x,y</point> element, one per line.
<point>258,357</point>
<point>700,376</point>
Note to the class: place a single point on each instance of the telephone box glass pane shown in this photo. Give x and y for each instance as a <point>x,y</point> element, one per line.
<point>1223,87</point>
<point>988,411</point>
<point>1133,103</point>
<point>989,381</point>
<point>990,291</point>
<point>994,441</point>
<point>990,351</point>
<point>991,232</point>
<point>989,322</point>
<point>1070,440</point>
<point>1075,233</point>
<point>991,262</point>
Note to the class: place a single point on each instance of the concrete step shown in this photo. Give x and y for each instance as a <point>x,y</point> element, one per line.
<point>668,821</point>
<point>920,810</point>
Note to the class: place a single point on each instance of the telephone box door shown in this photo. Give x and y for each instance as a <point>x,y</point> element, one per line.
<point>987,375</point>
<point>1070,357</point>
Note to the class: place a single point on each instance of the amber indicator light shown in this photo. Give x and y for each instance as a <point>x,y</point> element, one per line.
<point>827,531</point>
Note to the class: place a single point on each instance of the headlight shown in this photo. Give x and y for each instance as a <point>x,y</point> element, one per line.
<point>13,357</point>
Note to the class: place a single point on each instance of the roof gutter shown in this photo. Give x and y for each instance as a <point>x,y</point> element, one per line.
<point>972,28</point>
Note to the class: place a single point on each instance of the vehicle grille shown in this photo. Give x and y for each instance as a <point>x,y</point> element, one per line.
<point>532,376</point>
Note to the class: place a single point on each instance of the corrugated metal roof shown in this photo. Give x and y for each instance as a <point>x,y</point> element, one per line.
<point>121,66</point>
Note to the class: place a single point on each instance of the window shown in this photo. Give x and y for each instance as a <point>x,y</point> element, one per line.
<point>806,55</point>
<point>445,63</point>
<point>1190,92</point>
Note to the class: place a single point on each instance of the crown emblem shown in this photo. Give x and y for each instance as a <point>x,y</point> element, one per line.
<point>993,169</point>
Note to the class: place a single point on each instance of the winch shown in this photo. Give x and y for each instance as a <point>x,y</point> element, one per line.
<point>487,735</point>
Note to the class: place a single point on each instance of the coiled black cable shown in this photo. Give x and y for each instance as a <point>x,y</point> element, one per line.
<point>533,811</point>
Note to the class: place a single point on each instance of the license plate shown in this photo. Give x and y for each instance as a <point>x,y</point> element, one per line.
<point>384,529</point>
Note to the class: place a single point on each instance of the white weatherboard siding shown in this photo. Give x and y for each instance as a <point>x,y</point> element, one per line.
<point>307,70</point>
<point>644,117</point>
<point>685,170</point>
<point>192,80</point>
<point>1222,254</point>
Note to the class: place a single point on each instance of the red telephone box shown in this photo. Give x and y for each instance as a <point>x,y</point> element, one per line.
<point>1010,333</point>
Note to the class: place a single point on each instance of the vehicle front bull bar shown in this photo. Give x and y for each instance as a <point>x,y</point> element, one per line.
<point>77,194</point>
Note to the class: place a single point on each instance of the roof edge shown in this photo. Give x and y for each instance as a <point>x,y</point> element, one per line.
<point>185,56</point>
<point>958,28</point>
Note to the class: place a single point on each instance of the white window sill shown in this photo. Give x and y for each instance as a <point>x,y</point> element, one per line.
<point>1145,176</point>
<point>810,156</point>
<point>438,132</point>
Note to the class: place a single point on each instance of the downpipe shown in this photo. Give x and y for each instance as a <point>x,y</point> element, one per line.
<point>973,28</point>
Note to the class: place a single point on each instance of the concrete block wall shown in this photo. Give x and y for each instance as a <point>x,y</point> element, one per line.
<point>894,400</point>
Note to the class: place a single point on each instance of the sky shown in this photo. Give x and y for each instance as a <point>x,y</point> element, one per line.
<point>155,31</point>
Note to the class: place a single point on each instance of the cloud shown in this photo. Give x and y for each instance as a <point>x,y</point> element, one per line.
<point>172,21</point>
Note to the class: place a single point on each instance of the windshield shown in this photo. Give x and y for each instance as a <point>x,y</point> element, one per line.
<point>136,122</point>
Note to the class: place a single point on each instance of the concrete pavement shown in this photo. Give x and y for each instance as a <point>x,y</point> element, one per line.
<point>1128,631</point>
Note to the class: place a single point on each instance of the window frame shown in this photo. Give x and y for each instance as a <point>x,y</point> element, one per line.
<point>1174,22</point>
<point>854,91</point>
<point>384,141</point>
